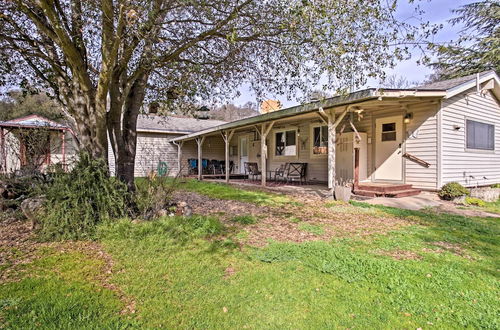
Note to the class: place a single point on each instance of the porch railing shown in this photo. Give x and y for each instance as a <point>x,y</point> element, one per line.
<point>417,160</point>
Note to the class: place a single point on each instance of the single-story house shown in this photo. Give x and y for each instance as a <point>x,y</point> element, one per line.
<point>33,143</point>
<point>411,139</point>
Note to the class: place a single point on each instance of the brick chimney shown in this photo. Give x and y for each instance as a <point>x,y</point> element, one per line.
<point>269,106</point>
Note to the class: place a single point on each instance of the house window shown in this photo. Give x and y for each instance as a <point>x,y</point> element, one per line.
<point>286,143</point>
<point>320,140</point>
<point>388,132</point>
<point>480,135</point>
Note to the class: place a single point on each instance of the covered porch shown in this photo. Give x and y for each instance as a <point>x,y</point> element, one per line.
<point>367,139</point>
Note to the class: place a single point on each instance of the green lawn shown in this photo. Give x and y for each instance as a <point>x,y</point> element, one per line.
<point>441,271</point>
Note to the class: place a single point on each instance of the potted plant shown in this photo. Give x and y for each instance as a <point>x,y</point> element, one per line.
<point>343,190</point>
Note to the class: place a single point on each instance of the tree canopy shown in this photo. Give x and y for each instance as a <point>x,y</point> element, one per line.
<point>103,59</point>
<point>478,47</point>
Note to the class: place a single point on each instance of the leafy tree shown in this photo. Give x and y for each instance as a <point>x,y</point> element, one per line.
<point>103,59</point>
<point>478,46</point>
<point>395,81</point>
<point>230,112</point>
<point>18,104</point>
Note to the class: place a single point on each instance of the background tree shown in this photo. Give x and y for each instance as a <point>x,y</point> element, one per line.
<point>17,103</point>
<point>478,46</point>
<point>102,59</point>
<point>230,112</point>
<point>395,81</point>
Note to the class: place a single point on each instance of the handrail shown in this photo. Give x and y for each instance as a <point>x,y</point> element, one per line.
<point>417,160</point>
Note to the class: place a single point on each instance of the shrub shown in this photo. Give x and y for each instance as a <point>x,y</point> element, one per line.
<point>153,194</point>
<point>77,201</point>
<point>244,219</point>
<point>475,201</point>
<point>496,185</point>
<point>453,190</point>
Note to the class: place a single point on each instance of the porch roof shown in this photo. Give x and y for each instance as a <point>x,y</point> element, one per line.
<point>333,102</point>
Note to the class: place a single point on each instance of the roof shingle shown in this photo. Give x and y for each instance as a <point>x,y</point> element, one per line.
<point>174,124</point>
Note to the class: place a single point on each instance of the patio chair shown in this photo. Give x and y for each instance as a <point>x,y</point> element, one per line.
<point>252,170</point>
<point>296,171</point>
<point>192,166</point>
<point>279,173</point>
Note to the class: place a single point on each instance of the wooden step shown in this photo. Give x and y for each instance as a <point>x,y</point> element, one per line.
<point>403,193</point>
<point>393,194</point>
<point>384,188</point>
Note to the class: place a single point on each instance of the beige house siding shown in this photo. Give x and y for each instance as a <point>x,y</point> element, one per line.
<point>421,141</point>
<point>459,164</point>
<point>155,147</point>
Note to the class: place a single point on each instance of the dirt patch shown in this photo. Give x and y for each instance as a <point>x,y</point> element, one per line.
<point>17,247</point>
<point>202,204</point>
<point>284,224</point>
<point>454,248</point>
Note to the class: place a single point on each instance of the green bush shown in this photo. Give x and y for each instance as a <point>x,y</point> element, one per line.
<point>152,195</point>
<point>453,190</point>
<point>475,201</point>
<point>496,185</point>
<point>77,201</point>
<point>244,219</point>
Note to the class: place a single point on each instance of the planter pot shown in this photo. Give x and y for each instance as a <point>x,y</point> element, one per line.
<point>343,193</point>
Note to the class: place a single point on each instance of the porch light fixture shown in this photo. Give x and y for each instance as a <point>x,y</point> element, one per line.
<point>408,117</point>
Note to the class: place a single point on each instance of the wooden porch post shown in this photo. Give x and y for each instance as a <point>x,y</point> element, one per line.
<point>63,147</point>
<point>179,157</point>
<point>264,131</point>
<point>199,142</point>
<point>227,139</point>
<point>331,149</point>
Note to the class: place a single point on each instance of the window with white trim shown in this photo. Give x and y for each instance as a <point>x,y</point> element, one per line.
<point>320,140</point>
<point>286,143</point>
<point>480,135</point>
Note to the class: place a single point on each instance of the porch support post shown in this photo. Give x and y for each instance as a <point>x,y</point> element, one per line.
<point>179,157</point>
<point>199,142</point>
<point>331,149</point>
<point>264,131</point>
<point>227,139</point>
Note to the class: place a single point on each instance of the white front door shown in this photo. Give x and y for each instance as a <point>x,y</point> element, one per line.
<point>388,149</point>
<point>243,153</point>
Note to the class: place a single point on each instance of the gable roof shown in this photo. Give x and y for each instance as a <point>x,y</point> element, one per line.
<point>33,121</point>
<point>175,125</point>
<point>450,83</point>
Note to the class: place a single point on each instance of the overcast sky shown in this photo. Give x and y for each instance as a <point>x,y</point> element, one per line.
<point>436,11</point>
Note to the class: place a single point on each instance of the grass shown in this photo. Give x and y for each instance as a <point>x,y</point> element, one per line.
<point>493,207</point>
<point>60,293</point>
<point>183,274</point>
<point>224,191</point>
<point>310,228</point>
<point>244,219</point>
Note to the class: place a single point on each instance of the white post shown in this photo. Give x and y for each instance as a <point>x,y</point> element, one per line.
<point>179,157</point>
<point>199,142</point>
<point>263,151</point>
<point>331,149</point>
<point>227,139</point>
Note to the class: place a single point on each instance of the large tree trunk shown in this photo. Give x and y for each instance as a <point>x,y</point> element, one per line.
<point>122,128</point>
<point>90,122</point>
